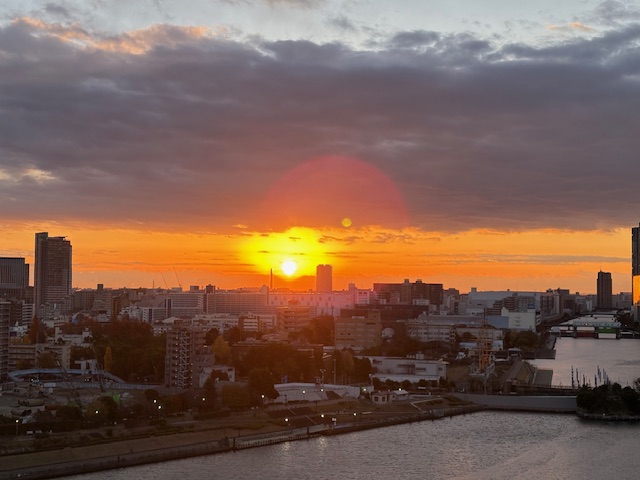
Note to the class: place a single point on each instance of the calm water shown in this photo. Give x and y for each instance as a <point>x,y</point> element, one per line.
<point>486,445</point>
<point>619,358</point>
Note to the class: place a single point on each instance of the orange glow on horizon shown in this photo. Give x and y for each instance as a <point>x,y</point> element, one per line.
<point>489,260</point>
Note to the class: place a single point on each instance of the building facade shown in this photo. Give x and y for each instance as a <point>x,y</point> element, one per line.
<point>14,278</point>
<point>186,356</point>
<point>324,278</point>
<point>635,270</point>
<point>358,332</point>
<point>604,295</point>
<point>53,271</point>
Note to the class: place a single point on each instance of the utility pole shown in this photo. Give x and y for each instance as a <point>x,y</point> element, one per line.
<point>334,372</point>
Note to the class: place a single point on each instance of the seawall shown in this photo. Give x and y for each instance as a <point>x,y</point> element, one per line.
<point>528,403</point>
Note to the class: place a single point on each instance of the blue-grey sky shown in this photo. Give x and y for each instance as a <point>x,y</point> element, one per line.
<point>496,115</point>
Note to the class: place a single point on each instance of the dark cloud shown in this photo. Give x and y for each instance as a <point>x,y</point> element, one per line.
<point>273,3</point>
<point>175,127</point>
<point>616,12</point>
<point>343,23</point>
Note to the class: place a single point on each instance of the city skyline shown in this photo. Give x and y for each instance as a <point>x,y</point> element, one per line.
<point>490,148</point>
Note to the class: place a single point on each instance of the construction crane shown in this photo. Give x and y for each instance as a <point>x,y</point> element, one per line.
<point>98,369</point>
<point>68,382</point>
<point>177,279</point>
<point>485,366</point>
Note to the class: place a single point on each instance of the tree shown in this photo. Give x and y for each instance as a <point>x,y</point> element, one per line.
<point>261,383</point>
<point>151,394</point>
<point>211,336</point>
<point>110,408</point>
<point>221,350</point>
<point>36,332</point>
<point>69,413</point>
<point>209,393</point>
<point>234,335</point>
<point>47,360</point>
<point>526,340</point>
<point>362,369</point>
<point>236,396</point>
<point>108,359</point>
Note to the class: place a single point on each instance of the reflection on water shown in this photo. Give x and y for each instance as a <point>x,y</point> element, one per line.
<point>485,445</point>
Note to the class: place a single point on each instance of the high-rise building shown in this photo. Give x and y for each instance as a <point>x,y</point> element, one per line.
<point>186,355</point>
<point>52,273</point>
<point>14,278</point>
<point>324,278</point>
<point>635,268</point>
<point>604,295</point>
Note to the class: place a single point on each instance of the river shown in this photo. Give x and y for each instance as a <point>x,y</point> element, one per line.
<point>485,445</point>
<point>620,359</point>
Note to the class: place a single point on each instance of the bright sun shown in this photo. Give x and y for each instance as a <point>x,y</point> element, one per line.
<point>289,267</point>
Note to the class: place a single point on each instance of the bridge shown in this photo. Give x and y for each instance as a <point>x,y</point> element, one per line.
<point>60,375</point>
<point>589,328</point>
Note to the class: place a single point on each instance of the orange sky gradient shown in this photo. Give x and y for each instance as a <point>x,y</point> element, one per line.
<point>488,260</point>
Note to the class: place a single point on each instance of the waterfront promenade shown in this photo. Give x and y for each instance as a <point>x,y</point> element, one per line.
<point>158,448</point>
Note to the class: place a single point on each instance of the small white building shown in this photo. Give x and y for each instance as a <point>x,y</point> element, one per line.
<point>413,369</point>
<point>389,396</point>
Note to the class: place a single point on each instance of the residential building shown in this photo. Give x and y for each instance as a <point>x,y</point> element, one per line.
<point>318,303</point>
<point>27,355</point>
<point>358,331</point>
<point>52,273</point>
<point>186,304</point>
<point>239,301</point>
<point>186,355</point>
<point>429,295</point>
<point>14,278</point>
<point>292,318</point>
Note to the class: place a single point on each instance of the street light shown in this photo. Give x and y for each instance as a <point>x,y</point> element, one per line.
<point>17,425</point>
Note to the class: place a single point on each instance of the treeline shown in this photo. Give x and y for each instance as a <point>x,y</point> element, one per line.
<point>609,399</point>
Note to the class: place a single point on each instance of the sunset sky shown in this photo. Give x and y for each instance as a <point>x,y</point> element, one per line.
<point>491,144</point>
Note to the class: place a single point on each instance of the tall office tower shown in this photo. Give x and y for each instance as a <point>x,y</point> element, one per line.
<point>604,296</point>
<point>14,278</point>
<point>324,279</point>
<point>52,273</point>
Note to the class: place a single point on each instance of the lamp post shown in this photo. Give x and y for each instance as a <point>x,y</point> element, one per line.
<point>17,425</point>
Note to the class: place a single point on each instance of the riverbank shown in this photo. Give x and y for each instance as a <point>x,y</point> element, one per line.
<point>158,448</point>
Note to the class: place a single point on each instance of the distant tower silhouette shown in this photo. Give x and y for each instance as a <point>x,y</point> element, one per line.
<point>604,296</point>
<point>324,278</point>
<point>52,272</point>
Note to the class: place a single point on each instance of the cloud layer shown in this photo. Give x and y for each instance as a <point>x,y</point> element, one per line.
<point>175,126</point>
